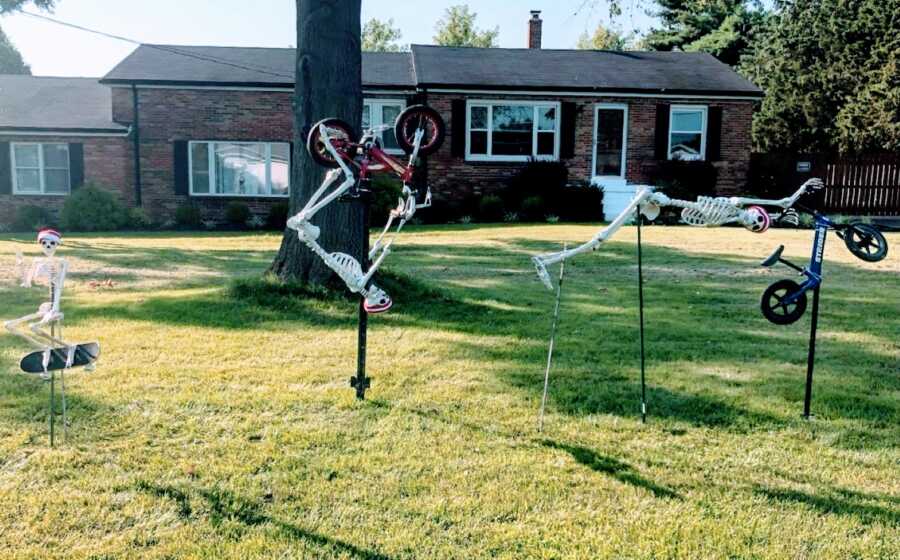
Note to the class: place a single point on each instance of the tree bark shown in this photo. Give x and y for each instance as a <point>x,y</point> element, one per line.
<point>328,83</point>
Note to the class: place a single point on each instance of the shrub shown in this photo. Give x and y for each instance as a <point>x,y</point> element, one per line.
<point>188,216</point>
<point>685,180</point>
<point>580,203</point>
<point>237,213</point>
<point>386,190</point>
<point>278,216</point>
<point>490,209</point>
<point>31,218</point>
<point>256,222</point>
<point>511,217</point>
<point>139,219</point>
<point>534,208</point>
<point>91,208</point>
<point>537,178</point>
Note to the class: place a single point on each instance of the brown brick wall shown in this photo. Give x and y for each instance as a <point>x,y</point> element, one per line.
<point>453,176</point>
<point>167,115</point>
<point>107,164</point>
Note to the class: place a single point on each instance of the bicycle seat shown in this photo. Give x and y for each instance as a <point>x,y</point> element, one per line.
<point>774,257</point>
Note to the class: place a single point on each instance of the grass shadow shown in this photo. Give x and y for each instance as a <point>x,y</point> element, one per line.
<point>837,501</point>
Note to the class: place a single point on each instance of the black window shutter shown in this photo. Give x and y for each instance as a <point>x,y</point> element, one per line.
<point>662,131</point>
<point>714,134</point>
<point>5,169</point>
<point>458,127</point>
<point>76,165</point>
<point>181,167</point>
<point>567,130</point>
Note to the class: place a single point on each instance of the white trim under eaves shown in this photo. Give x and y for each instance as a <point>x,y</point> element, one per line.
<point>592,94</point>
<point>274,89</point>
<point>44,133</point>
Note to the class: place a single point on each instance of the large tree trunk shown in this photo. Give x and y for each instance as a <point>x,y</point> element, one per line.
<point>328,84</point>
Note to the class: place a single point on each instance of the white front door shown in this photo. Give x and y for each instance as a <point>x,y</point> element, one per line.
<point>610,140</point>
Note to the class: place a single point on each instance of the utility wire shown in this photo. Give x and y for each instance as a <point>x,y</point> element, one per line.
<point>261,70</point>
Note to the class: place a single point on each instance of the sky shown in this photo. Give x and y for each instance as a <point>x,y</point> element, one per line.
<point>53,50</point>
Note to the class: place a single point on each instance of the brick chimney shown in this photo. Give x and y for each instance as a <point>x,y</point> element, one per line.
<point>535,28</point>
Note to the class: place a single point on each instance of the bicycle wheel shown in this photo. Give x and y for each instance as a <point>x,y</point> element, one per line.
<point>773,307</point>
<point>866,242</point>
<point>341,141</point>
<point>420,117</point>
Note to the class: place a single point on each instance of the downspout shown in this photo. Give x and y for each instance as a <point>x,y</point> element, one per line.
<point>136,139</point>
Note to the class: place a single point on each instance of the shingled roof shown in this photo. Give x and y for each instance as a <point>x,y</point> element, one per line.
<point>242,67</point>
<point>447,67</point>
<point>40,104</point>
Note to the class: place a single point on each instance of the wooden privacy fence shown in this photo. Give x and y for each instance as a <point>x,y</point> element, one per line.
<point>866,186</point>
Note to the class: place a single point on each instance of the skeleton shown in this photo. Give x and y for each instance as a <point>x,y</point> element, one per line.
<point>43,328</point>
<point>347,267</point>
<point>705,212</point>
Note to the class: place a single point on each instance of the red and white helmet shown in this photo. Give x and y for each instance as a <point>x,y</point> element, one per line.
<point>756,219</point>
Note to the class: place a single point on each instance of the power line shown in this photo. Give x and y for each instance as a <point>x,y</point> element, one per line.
<point>172,50</point>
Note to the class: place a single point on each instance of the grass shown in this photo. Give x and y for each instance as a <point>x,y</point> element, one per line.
<point>220,423</point>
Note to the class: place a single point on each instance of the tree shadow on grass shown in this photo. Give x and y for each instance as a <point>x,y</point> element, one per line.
<point>619,470</point>
<point>225,506</point>
<point>837,501</point>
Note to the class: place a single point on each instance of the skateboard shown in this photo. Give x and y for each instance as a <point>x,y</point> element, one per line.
<point>85,354</point>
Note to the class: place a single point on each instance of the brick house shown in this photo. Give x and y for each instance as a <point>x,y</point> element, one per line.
<point>172,126</point>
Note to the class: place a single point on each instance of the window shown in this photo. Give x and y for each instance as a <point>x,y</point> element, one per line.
<point>240,169</point>
<point>610,139</point>
<point>40,169</point>
<point>687,132</point>
<point>500,131</point>
<point>378,112</point>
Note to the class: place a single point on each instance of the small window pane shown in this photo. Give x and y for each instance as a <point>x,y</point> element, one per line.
<point>687,121</point>
<point>478,143</point>
<point>26,156</point>
<point>479,118</point>
<point>240,169</point>
<point>513,126</point>
<point>686,146</point>
<point>281,170</point>
<point>56,181</point>
<point>367,117</point>
<point>546,118</point>
<point>28,181</point>
<point>546,143</point>
<point>200,168</point>
<point>56,156</point>
<point>389,114</point>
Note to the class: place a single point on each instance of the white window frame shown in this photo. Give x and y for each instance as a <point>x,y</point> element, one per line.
<point>704,109</point>
<point>615,106</point>
<point>490,104</point>
<point>379,104</point>
<point>213,179</point>
<point>41,169</point>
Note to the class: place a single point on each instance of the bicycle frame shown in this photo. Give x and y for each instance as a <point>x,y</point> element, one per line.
<point>813,272</point>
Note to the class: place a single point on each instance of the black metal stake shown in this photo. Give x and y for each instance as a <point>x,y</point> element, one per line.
<point>811,356</point>
<point>361,196</point>
<point>641,313</point>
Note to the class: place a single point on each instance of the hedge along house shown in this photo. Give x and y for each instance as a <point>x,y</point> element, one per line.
<point>212,125</point>
<point>55,135</point>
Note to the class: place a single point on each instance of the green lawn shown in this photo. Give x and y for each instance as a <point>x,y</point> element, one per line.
<point>224,427</point>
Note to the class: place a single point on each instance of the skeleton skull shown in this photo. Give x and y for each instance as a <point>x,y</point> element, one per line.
<point>49,240</point>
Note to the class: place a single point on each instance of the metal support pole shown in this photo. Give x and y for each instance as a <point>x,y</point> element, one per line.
<point>52,395</point>
<point>361,198</point>
<point>811,356</point>
<point>562,274</point>
<point>58,334</point>
<point>641,314</point>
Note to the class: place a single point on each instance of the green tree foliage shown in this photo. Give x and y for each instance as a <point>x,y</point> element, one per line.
<point>381,36</point>
<point>604,39</point>
<point>831,73</point>
<point>457,29</point>
<point>722,28</point>
<point>12,5</point>
<point>11,61</point>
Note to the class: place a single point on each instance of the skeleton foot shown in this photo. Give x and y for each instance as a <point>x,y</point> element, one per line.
<point>377,300</point>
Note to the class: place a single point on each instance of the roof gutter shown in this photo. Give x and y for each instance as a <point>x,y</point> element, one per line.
<point>136,139</point>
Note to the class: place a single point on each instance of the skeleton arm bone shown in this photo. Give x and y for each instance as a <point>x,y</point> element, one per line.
<point>809,186</point>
